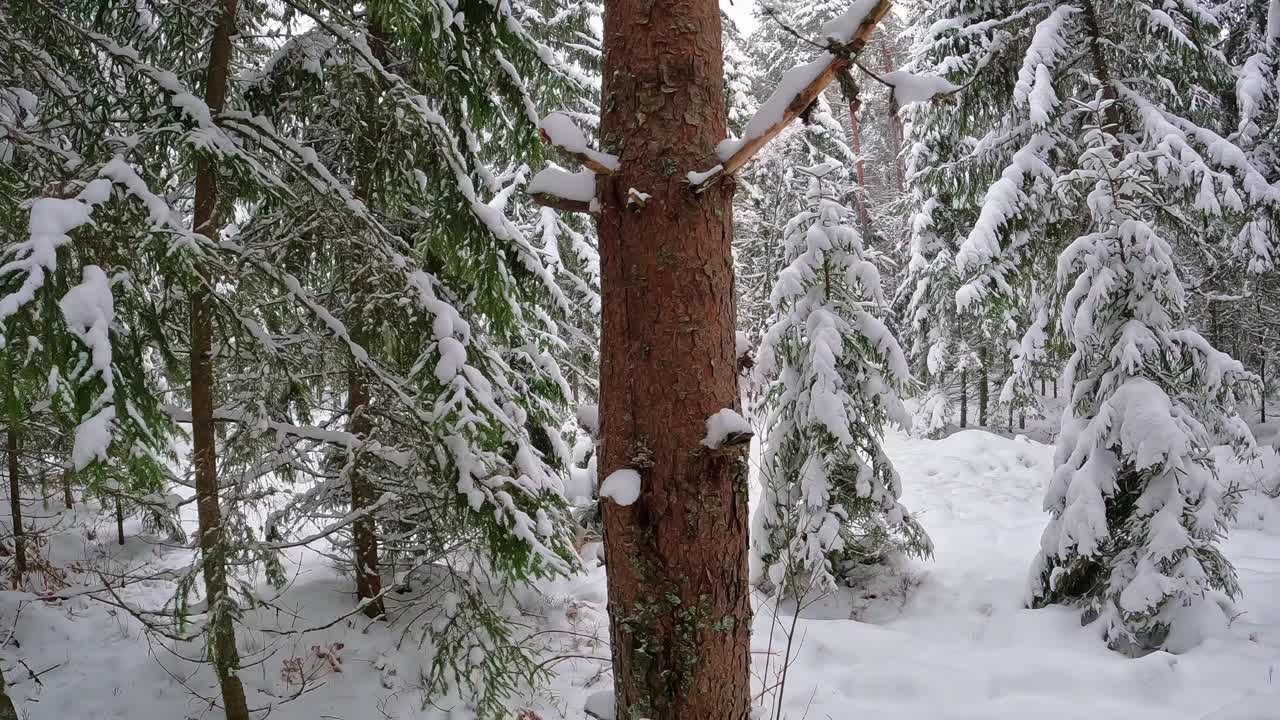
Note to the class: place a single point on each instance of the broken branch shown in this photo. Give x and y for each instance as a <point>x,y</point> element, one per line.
<point>825,69</point>
<point>560,203</point>
<point>559,130</point>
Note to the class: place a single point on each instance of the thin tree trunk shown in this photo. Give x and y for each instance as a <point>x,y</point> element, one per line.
<point>1112,112</point>
<point>364,530</point>
<point>855,127</point>
<point>964,398</point>
<point>68,498</point>
<point>15,509</point>
<point>677,557</point>
<point>1262,374</point>
<point>1008,373</point>
<point>119,520</point>
<point>895,122</point>
<point>222,634</point>
<point>1215,328</point>
<point>984,390</point>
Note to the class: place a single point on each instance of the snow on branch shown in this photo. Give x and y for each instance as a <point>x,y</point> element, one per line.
<point>847,35</point>
<point>622,486</point>
<point>52,220</point>
<point>727,428</point>
<point>574,192</point>
<point>559,130</point>
<point>910,88</point>
<point>556,188</point>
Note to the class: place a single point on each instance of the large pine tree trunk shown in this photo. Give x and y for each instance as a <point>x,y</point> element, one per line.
<point>677,557</point>
<point>964,398</point>
<point>364,530</point>
<point>15,509</point>
<point>222,635</point>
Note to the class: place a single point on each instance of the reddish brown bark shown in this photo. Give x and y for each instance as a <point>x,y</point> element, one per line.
<point>222,638</point>
<point>363,530</point>
<point>678,594</point>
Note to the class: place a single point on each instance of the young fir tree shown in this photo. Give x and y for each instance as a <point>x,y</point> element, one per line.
<point>466,434</point>
<point>1137,505</point>
<point>1102,152</point>
<point>77,330</point>
<point>835,371</point>
<point>99,132</point>
<point>945,343</point>
<point>467,452</point>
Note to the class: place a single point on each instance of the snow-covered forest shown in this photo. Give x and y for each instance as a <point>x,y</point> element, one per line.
<point>639,359</point>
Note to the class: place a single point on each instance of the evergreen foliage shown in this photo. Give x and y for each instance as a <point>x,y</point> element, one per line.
<point>834,372</point>
<point>1092,145</point>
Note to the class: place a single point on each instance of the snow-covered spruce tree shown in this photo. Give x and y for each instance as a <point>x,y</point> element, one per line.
<point>1236,293</point>
<point>931,320</point>
<point>467,427</point>
<point>762,208</point>
<point>1101,149</point>
<point>944,343</point>
<point>1137,505</point>
<point>76,335</point>
<point>834,372</point>
<point>97,106</point>
<point>465,431</point>
<point>740,73</point>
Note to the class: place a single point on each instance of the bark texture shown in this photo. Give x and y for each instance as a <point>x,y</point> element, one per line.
<point>677,557</point>
<point>15,509</point>
<point>222,636</point>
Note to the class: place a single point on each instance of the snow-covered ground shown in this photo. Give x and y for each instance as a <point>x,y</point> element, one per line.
<point>948,640</point>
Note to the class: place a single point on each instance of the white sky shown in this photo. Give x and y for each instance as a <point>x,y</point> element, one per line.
<point>741,12</point>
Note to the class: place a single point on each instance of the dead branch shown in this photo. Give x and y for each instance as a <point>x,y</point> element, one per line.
<point>841,58</point>
<point>559,203</point>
